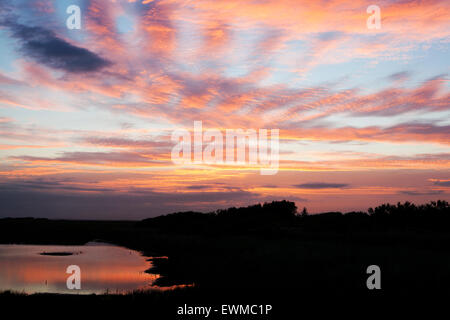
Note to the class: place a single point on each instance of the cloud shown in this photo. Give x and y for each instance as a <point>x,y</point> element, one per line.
<point>421,193</point>
<point>321,185</point>
<point>46,185</point>
<point>127,143</point>
<point>99,158</point>
<point>45,47</point>
<point>418,161</point>
<point>400,76</point>
<point>442,183</point>
<point>399,133</point>
<point>198,187</point>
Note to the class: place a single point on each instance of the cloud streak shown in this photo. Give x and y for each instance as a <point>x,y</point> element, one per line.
<point>321,185</point>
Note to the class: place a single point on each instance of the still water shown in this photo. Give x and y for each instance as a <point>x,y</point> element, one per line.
<point>104,268</point>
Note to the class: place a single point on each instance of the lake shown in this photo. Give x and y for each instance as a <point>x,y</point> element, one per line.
<point>104,268</point>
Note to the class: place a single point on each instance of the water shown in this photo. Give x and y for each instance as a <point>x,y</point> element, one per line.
<point>104,268</point>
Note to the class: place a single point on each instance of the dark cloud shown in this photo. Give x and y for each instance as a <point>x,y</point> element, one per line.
<point>45,47</point>
<point>320,185</point>
<point>445,183</point>
<point>420,128</point>
<point>213,186</point>
<point>198,187</point>
<point>329,36</point>
<point>422,193</point>
<point>46,185</point>
<point>399,76</point>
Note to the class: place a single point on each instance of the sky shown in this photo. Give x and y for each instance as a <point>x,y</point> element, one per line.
<point>87,115</point>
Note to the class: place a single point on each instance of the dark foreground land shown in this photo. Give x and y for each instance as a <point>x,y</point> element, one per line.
<point>264,253</point>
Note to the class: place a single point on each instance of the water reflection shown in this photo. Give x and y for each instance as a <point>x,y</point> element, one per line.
<point>104,268</point>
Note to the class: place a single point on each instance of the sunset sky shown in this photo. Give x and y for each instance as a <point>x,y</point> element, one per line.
<point>86,116</point>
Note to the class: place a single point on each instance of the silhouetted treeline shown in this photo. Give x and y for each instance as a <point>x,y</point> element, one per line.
<point>232,220</point>
<point>434,215</point>
<point>277,218</point>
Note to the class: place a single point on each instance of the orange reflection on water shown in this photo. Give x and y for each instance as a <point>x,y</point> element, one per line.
<point>103,268</point>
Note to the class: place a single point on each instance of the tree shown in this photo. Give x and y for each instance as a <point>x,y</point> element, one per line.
<point>304,212</point>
